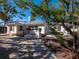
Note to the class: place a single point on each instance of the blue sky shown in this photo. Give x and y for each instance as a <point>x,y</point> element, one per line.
<point>27,12</point>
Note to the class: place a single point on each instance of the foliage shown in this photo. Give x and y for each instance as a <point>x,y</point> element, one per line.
<point>59,15</point>
<point>68,11</point>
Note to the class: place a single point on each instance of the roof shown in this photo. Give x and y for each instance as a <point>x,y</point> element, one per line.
<point>15,23</point>
<point>32,23</point>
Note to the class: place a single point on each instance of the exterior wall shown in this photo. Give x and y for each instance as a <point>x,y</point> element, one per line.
<point>75,28</point>
<point>60,28</point>
<point>36,32</point>
<point>13,31</point>
<point>19,32</point>
<point>46,30</point>
<point>16,29</point>
<point>7,29</point>
<point>42,29</point>
<point>24,30</point>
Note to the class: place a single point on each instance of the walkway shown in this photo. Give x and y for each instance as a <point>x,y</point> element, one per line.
<point>26,49</point>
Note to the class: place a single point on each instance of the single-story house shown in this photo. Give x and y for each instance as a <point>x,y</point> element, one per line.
<point>15,28</point>
<point>38,28</point>
<point>22,29</point>
<point>59,28</point>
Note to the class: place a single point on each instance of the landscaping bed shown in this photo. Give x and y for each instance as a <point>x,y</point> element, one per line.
<point>60,51</point>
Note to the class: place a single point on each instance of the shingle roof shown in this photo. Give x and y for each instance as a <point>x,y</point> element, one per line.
<point>35,23</point>
<point>32,23</point>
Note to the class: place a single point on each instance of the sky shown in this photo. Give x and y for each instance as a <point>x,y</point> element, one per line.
<point>27,13</point>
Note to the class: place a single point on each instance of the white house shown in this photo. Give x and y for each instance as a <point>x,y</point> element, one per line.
<point>16,28</point>
<point>59,28</point>
<point>22,29</point>
<point>32,27</point>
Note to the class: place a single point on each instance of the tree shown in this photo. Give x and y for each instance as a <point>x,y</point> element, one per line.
<point>3,15</point>
<point>66,12</point>
<point>5,9</point>
<point>52,14</point>
<point>71,13</point>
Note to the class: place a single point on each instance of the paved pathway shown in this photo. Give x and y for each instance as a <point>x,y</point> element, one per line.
<point>27,49</point>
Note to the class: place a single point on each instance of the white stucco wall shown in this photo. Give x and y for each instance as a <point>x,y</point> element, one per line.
<point>42,29</point>
<point>16,29</point>
<point>37,33</point>
<point>13,31</point>
<point>7,29</point>
<point>62,29</point>
<point>46,30</point>
<point>75,29</point>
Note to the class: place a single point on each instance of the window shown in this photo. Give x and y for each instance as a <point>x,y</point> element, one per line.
<point>34,28</point>
<point>12,28</point>
<point>20,28</point>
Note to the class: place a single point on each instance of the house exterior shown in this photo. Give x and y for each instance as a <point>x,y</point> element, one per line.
<point>38,28</point>
<point>73,27</point>
<point>22,29</point>
<point>42,26</point>
<point>16,28</point>
<point>59,28</point>
<point>32,27</point>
